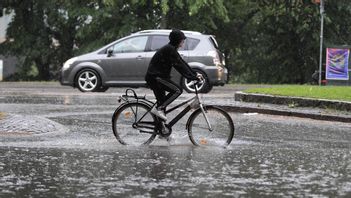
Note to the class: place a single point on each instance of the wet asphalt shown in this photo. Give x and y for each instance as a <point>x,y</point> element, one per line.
<point>270,156</point>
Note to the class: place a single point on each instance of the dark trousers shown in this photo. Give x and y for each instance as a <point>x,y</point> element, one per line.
<point>160,86</point>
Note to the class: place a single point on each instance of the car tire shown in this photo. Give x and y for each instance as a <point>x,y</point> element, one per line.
<point>204,88</point>
<point>88,80</point>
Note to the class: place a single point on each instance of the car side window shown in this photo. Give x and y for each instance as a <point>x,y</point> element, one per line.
<point>135,44</point>
<point>159,41</point>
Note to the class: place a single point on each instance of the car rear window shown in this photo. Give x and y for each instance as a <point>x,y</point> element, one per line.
<point>192,43</point>
<point>160,40</point>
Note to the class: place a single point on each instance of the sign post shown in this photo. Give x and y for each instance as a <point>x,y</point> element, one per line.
<point>321,8</point>
<point>1,68</point>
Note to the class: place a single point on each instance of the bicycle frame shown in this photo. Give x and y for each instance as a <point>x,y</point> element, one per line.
<point>195,102</point>
<point>192,103</point>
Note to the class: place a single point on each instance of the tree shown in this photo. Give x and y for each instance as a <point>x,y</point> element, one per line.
<point>264,41</point>
<point>291,42</point>
<point>278,41</point>
<point>46,33</point>
<point>42,34</point>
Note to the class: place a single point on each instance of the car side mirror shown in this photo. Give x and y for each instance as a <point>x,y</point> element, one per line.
<point>109,52</point>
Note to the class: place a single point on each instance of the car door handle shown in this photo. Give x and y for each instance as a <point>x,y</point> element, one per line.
<point>139,57</point>
<point>182,55</point>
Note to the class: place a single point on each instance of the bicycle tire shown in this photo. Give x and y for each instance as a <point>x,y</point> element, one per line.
<point>221,122</point>
<point>122,124</point>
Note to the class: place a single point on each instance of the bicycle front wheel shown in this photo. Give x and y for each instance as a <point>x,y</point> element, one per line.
<point>212,126</point>
<point>124,128</point>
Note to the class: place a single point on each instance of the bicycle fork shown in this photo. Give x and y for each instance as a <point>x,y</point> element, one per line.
<point>206,118</point>
<point>196,103</point>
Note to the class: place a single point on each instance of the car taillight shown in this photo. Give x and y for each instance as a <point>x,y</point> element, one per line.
<point>215,56</point>
<point>223,59</point>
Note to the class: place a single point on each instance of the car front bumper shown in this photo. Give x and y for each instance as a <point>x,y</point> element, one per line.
<point>64,80</point>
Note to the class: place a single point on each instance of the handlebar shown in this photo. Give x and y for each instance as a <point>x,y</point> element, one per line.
<point>196,82</point>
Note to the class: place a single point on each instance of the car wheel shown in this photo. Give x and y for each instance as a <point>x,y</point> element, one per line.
<point>88,80</point>
<point>204,87</point>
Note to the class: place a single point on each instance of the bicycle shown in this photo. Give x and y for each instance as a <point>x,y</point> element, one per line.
<point>134,124</point>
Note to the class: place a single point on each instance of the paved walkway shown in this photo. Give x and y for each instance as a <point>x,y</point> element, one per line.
<point>20,125</point>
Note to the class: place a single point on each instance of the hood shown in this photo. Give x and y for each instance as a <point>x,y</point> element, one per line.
<point>175,37</point>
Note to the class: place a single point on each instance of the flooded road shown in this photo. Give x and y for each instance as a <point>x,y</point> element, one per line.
<point>269,156</point>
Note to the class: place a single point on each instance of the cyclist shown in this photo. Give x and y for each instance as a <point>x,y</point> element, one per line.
<point>158,76</point>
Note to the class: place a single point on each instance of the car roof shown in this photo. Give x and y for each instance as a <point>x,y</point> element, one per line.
<point>151,32</point>
<point>164,31</point>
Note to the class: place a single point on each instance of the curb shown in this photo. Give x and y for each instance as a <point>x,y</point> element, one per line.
<point>296,101</point>
<point>286,113</point>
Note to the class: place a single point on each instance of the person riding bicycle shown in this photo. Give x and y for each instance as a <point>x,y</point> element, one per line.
<point>158,76</point>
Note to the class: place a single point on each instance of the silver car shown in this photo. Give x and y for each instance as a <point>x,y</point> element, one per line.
<point>124,62</point>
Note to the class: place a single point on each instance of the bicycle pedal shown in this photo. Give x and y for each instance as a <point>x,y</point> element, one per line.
<point>146,130</point>
<point>165,132</point>
<point>162,137</point>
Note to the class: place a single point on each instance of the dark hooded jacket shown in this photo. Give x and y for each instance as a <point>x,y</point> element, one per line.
<point>167,57</point>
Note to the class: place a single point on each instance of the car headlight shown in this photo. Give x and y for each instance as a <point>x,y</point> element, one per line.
<point>68,63</point>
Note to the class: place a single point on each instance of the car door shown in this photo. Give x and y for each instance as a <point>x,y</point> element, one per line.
<point>156,42</point>
<point>124,59</point>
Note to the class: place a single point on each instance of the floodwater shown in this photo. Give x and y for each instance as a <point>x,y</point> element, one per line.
<point>269,156</point>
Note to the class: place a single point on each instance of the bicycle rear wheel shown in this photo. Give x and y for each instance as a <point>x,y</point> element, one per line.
<point>123,124</point>
<point>221,132</point>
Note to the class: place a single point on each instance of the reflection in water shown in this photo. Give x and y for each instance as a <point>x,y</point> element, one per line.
<point>173,171</point>
<point>67,100</point>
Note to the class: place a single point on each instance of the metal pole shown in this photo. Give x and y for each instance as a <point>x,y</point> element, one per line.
<point>321,42</point>
<point>1,68</point>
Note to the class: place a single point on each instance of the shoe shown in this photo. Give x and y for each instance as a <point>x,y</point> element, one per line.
<point>165,132</point>
<point>170,139</point>
<point>159,113</point>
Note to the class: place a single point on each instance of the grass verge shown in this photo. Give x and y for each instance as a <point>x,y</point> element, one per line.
<point>341,93</point>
